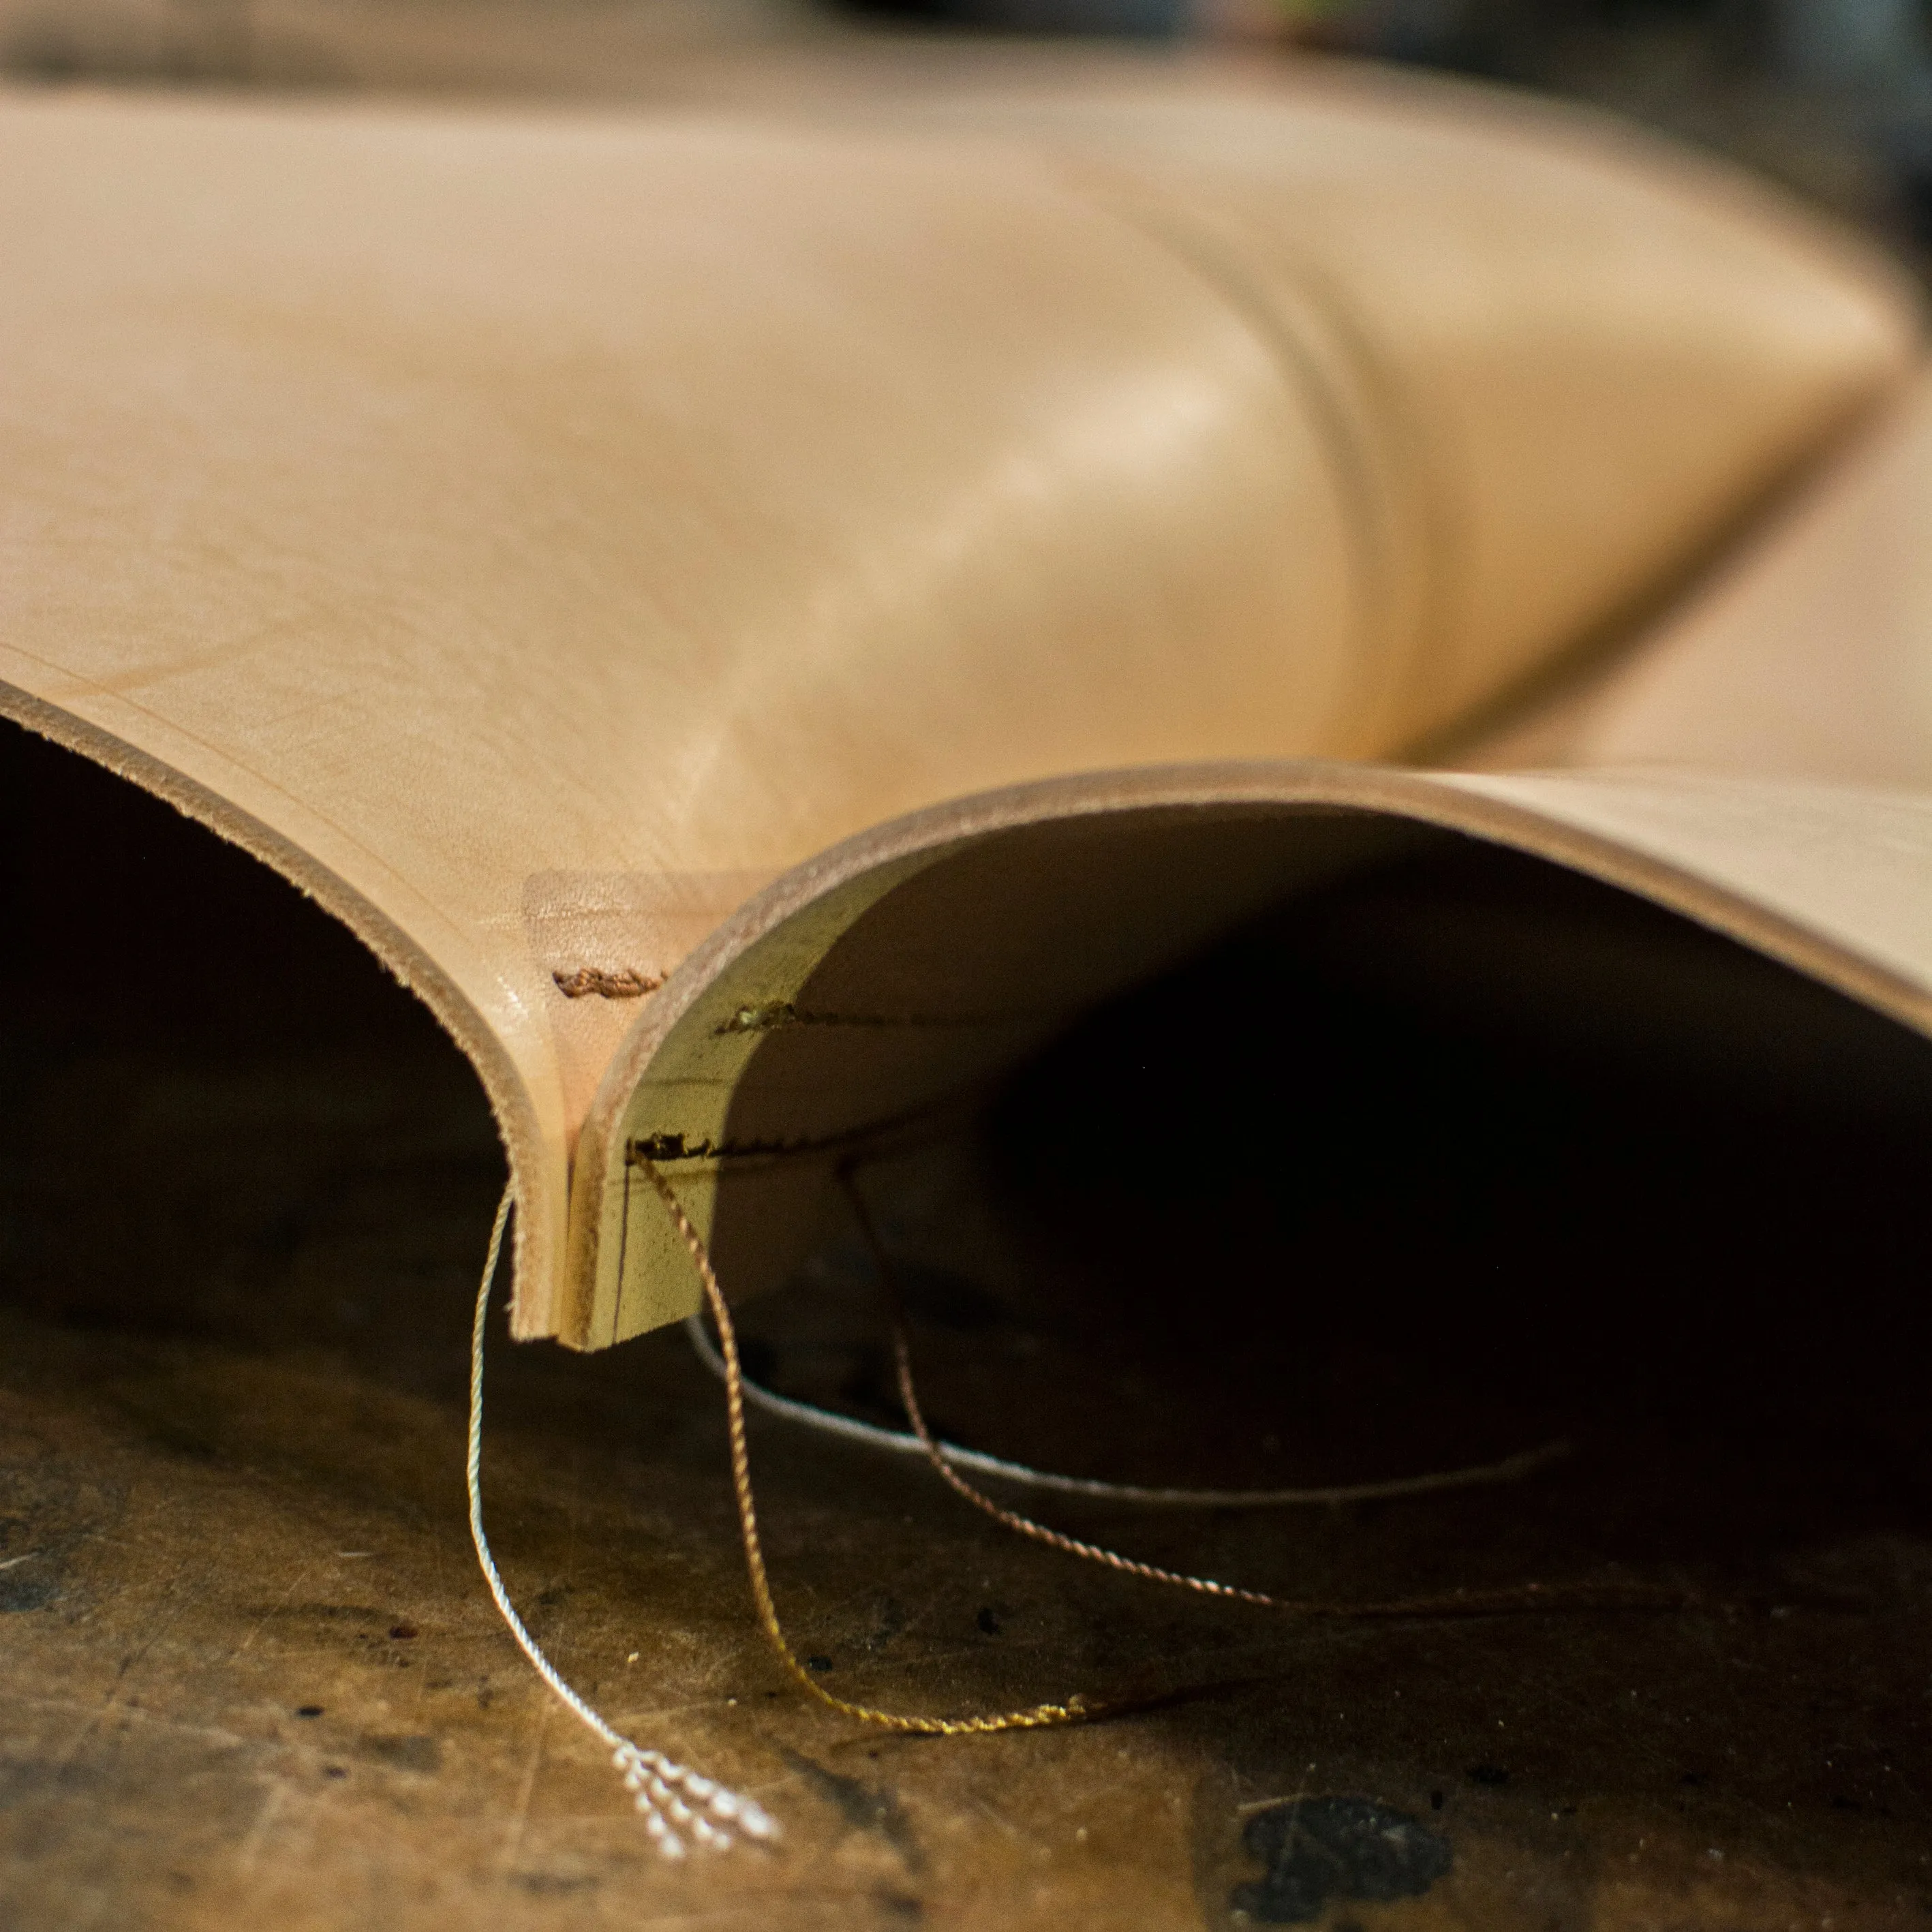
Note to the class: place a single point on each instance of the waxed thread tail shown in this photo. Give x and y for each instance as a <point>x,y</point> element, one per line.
<point>674,1801</point>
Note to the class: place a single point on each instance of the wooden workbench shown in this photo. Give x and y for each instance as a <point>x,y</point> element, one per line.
<point>250,1675</point>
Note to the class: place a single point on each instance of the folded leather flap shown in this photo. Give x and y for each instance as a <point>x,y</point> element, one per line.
<point>869,997</point>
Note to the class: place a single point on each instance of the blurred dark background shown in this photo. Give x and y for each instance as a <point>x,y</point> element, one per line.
<point>1834,97</point>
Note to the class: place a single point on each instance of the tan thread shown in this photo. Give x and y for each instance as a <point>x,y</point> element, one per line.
<point>626,983</point>
<point>670,1146</point>
<point>1040,1718</point>
<point>772,1015</point>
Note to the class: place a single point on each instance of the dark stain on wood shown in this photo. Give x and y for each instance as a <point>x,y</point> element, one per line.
<point>874,1808</point>
<point>1317,1849</point>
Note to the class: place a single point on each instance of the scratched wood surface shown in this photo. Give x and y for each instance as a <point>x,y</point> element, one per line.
<point>249,1674</point>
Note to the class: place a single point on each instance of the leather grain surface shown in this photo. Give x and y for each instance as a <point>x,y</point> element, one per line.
<point>533,533</point>
<point>1809,656</point>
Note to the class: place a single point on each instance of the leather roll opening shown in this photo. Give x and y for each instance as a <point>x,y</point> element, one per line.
<point>1456,1153</point>
<point>1447,1154</point>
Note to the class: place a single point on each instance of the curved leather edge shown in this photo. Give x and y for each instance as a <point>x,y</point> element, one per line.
<point>400,955</point>
<point>1568,820</point>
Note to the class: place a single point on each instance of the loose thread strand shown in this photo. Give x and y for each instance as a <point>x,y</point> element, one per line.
<point>1040,1717</point>
<point>1529,1597</point>
<point>903,1442</point>
<point>670,1796</point>
<point>1470,1603</point>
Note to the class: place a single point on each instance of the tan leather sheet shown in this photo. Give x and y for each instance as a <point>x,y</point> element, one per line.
<point>537,534</point>
<point>1808,655</point>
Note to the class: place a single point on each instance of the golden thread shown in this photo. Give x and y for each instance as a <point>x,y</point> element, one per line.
<point>1461,1602</point>
<point>1527,1597</point>
<point>1040,1718</point>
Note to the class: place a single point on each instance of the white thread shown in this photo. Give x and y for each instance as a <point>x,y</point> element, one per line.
<point>658,1784</point>
<point>904,1443</point>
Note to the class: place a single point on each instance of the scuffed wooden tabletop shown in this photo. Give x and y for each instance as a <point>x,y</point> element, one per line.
<point>250,1674</point>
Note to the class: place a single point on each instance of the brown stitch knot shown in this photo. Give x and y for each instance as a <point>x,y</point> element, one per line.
<point>626,983</point>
